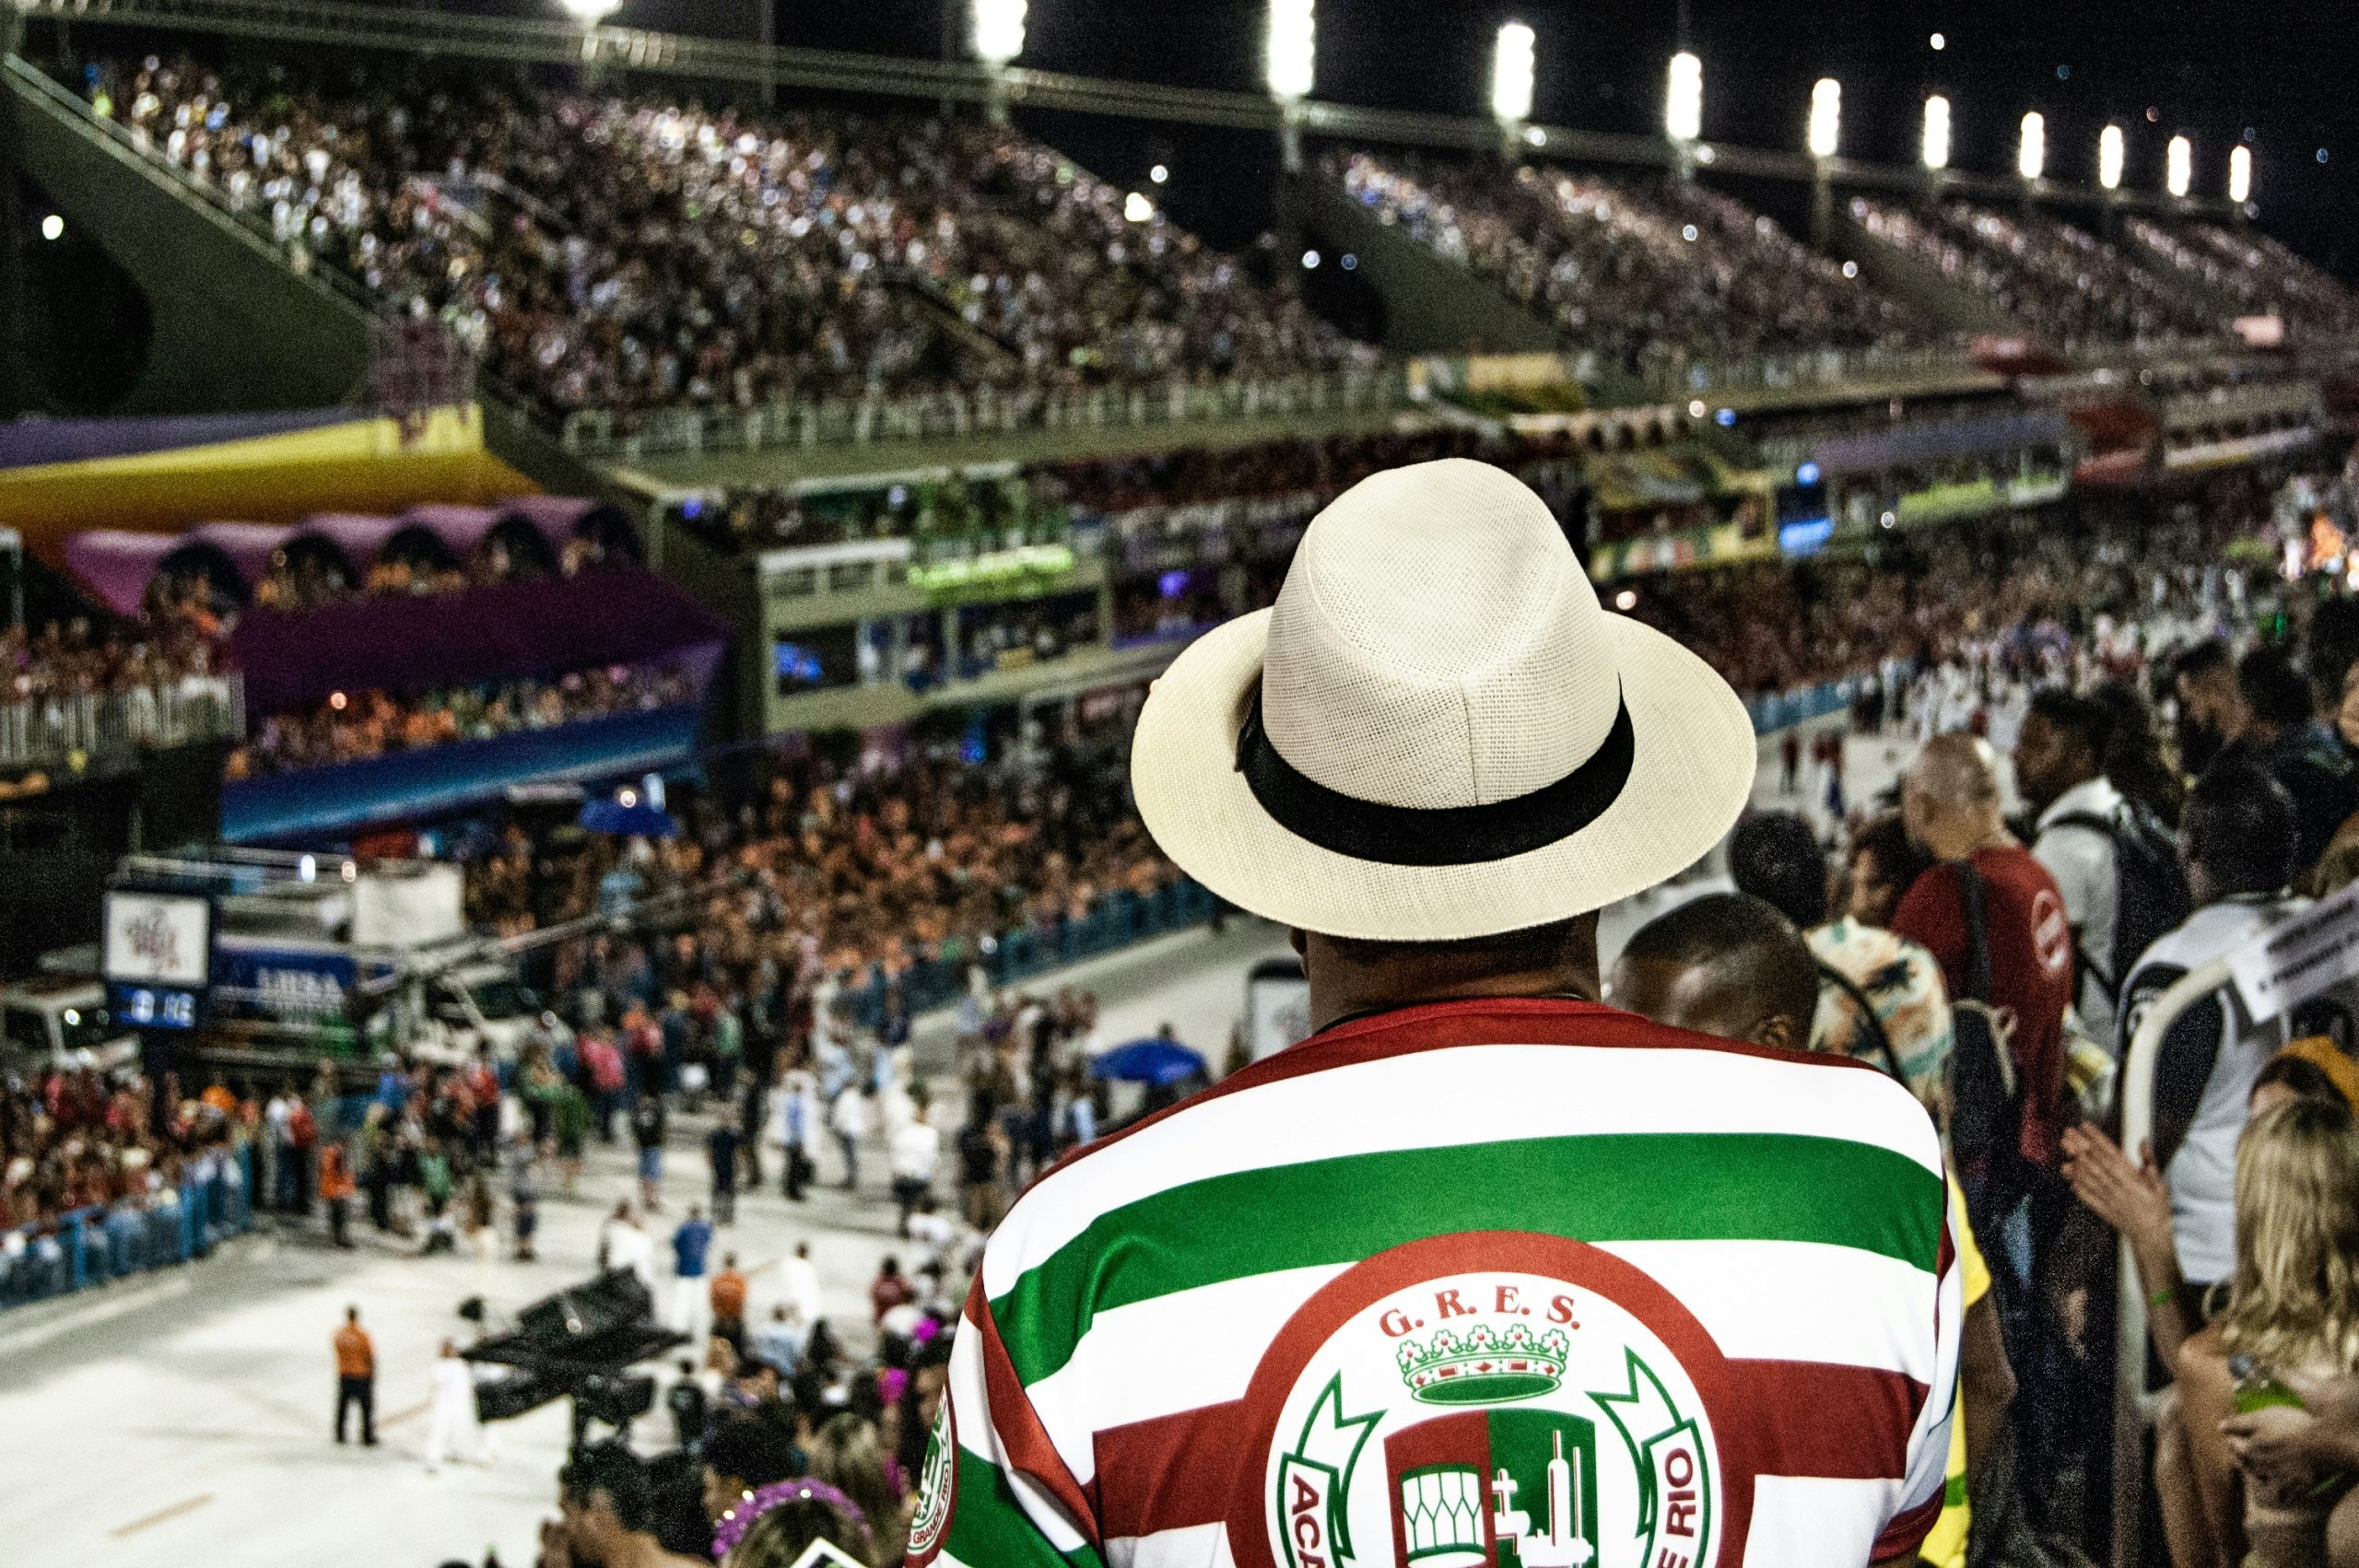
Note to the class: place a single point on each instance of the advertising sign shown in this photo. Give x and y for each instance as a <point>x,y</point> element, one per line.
<point>157,939</point>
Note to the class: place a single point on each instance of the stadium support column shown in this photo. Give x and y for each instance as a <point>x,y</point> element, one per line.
<point>1289,138</point>
<point>765,33</point>
<point>14,386</point>
<point>1822,209</point>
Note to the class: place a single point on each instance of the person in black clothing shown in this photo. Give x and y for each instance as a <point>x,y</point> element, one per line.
<point>2282,735</point>
<point>647,1131</point>
<point>686,1401</point>
<point>721,1151</point>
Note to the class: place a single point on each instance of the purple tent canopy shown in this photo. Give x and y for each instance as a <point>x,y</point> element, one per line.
<point>117,566</point>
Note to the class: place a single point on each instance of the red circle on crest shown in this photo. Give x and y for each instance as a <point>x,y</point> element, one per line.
<point>1474,1252</point>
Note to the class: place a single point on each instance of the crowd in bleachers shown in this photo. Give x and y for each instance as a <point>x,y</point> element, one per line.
<point>2055,280</point>
<point>2257,272</point>
<point>1650,274</point>
<point>73,1137</point>
<point>352,727</point>
<point>603,251</point>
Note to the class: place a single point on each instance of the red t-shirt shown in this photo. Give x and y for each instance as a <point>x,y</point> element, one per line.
<point>2031,969</point>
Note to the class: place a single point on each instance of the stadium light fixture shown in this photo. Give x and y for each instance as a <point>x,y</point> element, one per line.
<point>2031,154</point>
<point>2240,175</point>
<point>1287,52</point>
<point>1826,116</point>
<point>1513,67</point>
<point>590,13</point>
<point>2109,157</point>
<point>1683,109</point>
<point>2178,165</point>
<point>1937,132</point>
<point>999,30</point>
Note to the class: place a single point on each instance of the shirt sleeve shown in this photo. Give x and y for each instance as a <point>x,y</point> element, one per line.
<point>2075,857</point>
<point>1932,916</point>
<point>1921,1493</point>
<point>994,1491</point>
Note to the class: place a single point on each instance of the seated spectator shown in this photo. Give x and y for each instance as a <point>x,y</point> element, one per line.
<point>2291,1309</point>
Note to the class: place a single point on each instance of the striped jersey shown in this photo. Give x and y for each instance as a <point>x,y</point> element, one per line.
<point>1521,1284</point>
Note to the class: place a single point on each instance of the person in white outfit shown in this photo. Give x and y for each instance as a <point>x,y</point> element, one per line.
<point>451,1431</point>
<point>851,1118</point>
<point>628,1246</point>
<point>798,1287</point>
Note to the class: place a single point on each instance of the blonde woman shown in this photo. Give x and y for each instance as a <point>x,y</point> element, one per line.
<point>2292,1309</point>
<point>847,1454</point>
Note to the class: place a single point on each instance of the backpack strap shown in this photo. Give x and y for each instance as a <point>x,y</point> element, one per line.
<point>1978,945</point>
<point>2111,828</point>
<point>1869,1021</point>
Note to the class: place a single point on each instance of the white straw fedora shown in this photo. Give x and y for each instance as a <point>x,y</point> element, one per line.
<point>1436,732</point>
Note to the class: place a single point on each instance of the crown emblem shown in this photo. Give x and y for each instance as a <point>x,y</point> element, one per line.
<point>1484,1368</point>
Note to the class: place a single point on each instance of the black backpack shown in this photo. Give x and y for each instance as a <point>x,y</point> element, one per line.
<point>1986,1103</point>
<point>2150,894</point>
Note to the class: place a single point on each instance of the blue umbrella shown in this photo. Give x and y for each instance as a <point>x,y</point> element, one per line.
<point>1154,1060</point>
<point>635,821</point>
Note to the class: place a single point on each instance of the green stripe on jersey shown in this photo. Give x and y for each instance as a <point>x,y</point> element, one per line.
<point>1597,1187</point>
<point>990,1529</point>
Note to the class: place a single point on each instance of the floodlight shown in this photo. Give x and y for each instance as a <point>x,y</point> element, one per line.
<point>999,30</point>
<point>1682,110</point>
<point>590,13</point>
<point>2109,157</point>
<point>2178,169</point>
<point>1826,116</point>
<point>1511,74</point>
<point>2240,175</point>
<point>2031,154</point>
<point>1287,56</point>
<point>1937,132</point>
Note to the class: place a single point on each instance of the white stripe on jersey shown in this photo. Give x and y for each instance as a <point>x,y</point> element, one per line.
<point>1440,1097</point>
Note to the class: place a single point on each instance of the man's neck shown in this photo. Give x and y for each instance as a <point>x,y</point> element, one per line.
<point>1333,1003</point>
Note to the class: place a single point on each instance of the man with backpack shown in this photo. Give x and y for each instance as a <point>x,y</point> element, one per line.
<point>2113,860</point>
<point>1991,916</point>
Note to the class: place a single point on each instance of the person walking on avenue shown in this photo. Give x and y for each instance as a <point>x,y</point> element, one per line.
<point>452,1429</point>
<point>722,1153</point>
<point>691,1252</point>
<point>337,1188</point>
<point>851,1118</point>
<point>1481,1263</point>
<point>355,1377</point>
<point>916,1154</point>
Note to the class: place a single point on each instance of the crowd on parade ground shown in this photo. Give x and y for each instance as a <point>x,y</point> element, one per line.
<point>618,253</point>
<point>1647,273</point>
<point>351,727</point>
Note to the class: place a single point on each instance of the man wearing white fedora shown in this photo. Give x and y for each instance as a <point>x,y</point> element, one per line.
<point>1483,1272</point>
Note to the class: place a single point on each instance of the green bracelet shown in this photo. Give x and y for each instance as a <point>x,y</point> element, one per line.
<point>2162,1297</point>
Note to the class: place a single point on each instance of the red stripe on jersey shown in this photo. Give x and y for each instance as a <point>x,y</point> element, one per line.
<point>1810,1418</point>
<point>1167,1473</point>
<point>1176,1470</point>
<point>1908,1531</point>
<point>1021,1436</point>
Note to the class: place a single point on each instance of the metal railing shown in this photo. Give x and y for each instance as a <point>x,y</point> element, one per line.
<point>1822,366</point>
<point>92,1247</point>
<point>986,411</point>
<point>1114,921</point>
<point>53,730</point>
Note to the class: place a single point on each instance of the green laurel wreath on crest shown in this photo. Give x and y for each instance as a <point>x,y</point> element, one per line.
<point>1324,1457</point>
<point>1653,1412</point>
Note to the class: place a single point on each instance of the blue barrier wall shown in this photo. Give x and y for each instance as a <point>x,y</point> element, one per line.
<point>90,1246</point>
<point>402,786</point>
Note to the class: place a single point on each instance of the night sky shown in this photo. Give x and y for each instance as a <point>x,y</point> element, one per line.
<point>2208,67</point>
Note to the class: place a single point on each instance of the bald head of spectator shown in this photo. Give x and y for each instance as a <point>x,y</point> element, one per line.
<point>1726,963</point>
<point>1949,798</point>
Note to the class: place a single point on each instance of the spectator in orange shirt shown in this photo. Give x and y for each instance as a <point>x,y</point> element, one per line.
<point>727,1295</point>
<point>355,1377</point>
<point>337,1188</point>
